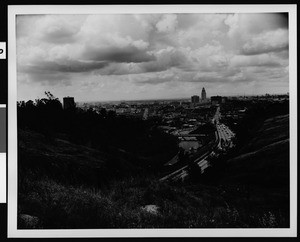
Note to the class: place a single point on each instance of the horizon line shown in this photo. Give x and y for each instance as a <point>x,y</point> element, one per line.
<point>176,98</point>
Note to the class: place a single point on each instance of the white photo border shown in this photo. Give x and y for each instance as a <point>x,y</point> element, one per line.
<point>14,10</point>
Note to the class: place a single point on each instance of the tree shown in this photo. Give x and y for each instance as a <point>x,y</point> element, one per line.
<point>29,104</point>
<point>50,95</point>
<point>103,112</point>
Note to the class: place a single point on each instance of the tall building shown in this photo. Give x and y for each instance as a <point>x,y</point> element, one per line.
<point>203,94</point>
<point>195,99</point>
<point>69,102</point>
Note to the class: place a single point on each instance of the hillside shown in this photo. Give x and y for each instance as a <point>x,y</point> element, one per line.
<point>258,177</point>
<point>264,161</point>
<point>69,185</point>
<point>65,185</point>
<point>68,162</point>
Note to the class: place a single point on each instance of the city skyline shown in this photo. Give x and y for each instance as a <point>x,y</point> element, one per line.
<point>151,56</point>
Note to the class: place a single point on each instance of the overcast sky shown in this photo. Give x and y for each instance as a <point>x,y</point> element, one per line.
<point>127,57</point>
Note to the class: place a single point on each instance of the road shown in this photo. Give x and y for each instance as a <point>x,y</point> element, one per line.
<point>222,133</point>
<point>225,134</point>
<point>183,172</point>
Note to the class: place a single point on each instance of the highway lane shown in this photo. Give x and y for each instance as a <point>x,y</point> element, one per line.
<point>222,133</point>
<point>201,161</point>
<point>225,134</point>
<point>183,170</point>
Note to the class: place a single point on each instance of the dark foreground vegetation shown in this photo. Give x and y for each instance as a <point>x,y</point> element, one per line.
<point>81,169</point>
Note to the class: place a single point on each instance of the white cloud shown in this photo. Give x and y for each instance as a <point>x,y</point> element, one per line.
<point>265,60</point>
<point>172,51</point>
<point>270,41</point>
<point>167,24</point>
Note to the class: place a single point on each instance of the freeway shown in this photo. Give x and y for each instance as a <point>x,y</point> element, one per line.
<point>202,162</point>
<point>225,134</point>
<point>182,172</point>
<point>222,133</point>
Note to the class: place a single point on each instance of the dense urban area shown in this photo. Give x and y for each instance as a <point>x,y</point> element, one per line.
<point>199,124</point>
<point>198,162</point>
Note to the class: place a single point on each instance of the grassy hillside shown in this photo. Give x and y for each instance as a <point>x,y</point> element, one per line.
<point>264,161</point>
<point>72,163</point>
<point>255,177</point>
<point>122,205</point>
<point>260,173</point>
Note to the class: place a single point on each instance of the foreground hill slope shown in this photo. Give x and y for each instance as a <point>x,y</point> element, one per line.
<point>68,162</point>
<point>264,161</point>
<point>67,185</point>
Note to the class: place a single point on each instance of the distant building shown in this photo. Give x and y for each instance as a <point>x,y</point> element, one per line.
<point>203,94</point>
<point>216,100</point>
<point>69,102</point>
<point>195,99</point>
<point>224,99</point>
<point>146,114</point>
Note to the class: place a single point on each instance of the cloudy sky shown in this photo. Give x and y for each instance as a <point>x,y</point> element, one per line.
<point>148,56</point>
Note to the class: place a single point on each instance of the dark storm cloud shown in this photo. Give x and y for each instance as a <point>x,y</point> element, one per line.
<point>51,78</point>
<point>116,54</point>
<point>164,60</point>
<point>65,66</point>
